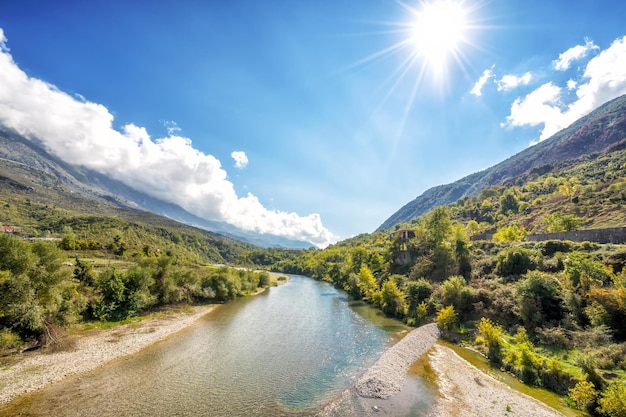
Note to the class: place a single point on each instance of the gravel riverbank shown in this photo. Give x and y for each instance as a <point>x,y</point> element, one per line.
<point>466,391</point>
<point>387,376</point>
<point>34,370</point>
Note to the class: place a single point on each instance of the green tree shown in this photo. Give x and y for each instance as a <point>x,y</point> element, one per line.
<point>509,204</point>
<point>511,233</point>
<point>438,225</point>
<point>462,251</point>
<point>367,282</point>
<point>393,300</point>
<point>417,292</point>
<point>36,292</point>
<point>559,222</point>
<point>492,335</point>
<point>447,318</point>
<point>584,272</point>
<point>540,300</point>
<point>514,261</point>
<point>455,291</point>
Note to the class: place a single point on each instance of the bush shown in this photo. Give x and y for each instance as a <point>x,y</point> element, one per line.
<point>447,318</point>
<point>9,340</point>
<point>491,335</point>
<point>613,400</point>
<point>456,292</point>
<point>583,394</point>
<point>515,261</point>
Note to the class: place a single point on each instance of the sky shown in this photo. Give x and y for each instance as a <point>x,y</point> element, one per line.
<point>313,120</point>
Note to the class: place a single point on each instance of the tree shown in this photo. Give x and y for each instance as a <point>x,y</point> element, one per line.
<point>36,293</point>
<point>393,300</point>
<point>417,292</point>
<point>367,282</point>
<point>514,261</point>
<point>509,204</point>
<point>438,225</point>
<point>511,233</point>
<point>491,335</point>
<point>559,222</point>
<point>462,247</point>
<point>456,292</point>
<point>447,318</point>
<point>539,298</point>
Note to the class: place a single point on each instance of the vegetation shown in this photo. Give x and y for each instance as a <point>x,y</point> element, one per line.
<point>553,313</point>
<point>43,291</point>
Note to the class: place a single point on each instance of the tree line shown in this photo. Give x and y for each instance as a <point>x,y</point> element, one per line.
<point>40,293</point>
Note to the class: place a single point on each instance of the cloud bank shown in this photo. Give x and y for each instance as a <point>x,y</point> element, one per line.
<point>604,79</point>
<point>81,132</point>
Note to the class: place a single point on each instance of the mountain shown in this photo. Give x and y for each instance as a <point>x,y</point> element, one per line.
<point>16,149</point>
<point>601,131</point>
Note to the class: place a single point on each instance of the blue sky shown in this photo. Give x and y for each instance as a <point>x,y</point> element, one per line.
<point>307,119</point>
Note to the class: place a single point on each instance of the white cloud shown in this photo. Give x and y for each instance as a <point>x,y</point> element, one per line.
<point>572,84</point>
<point>509,82</point>
<point>477,90</point>
<point>604,79</point>
<point>169,168</point>
<point>241,159</point>
<point>540,106</point>
<point>573,54</point>
<point>3,41</point>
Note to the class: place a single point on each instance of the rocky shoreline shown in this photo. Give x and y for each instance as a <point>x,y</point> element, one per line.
<point>387,376</point>
<point>464,390</point>
<point>35,370</point>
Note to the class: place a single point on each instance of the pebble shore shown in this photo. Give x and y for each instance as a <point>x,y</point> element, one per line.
<point>35,370</point>
<point>386,377</point>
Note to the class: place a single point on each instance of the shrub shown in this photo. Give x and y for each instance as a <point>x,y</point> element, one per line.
<point>583,394</point>
<point>613,400</point>
<point>515,261</point>
<point>447,318</point>
<point>491,335</point>
<point>9,340</point>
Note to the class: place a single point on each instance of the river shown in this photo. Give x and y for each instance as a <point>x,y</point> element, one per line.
<point>286,352</point>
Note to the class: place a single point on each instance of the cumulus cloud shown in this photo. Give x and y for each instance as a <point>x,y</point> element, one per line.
<point>170,168</point>
<point>3,41</point>
<point>509,82</point>
<point>240,158</point>
<point>604,79</point>
<point>573,54</point>
<point>572,84</point>
<point>477,90</point>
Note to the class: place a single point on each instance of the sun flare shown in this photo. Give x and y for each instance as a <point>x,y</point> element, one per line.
<point>438,31</point>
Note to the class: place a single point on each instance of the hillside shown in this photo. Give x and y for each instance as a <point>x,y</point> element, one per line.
<point>93,185</point>
<point>600,132</point>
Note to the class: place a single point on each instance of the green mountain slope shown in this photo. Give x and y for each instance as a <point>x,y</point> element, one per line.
<point>600,132</point>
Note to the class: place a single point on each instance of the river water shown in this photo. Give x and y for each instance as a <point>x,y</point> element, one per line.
<point>286,352</point>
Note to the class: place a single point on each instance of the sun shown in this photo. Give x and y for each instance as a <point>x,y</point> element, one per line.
<point>438,32</point>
